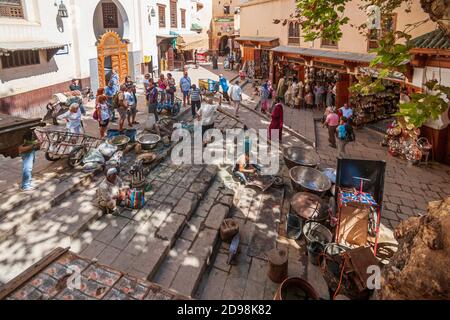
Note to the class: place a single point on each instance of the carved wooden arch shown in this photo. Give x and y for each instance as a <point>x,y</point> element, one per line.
<point>110,44</point>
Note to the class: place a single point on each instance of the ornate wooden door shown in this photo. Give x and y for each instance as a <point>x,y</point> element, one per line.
<point>111,45</point>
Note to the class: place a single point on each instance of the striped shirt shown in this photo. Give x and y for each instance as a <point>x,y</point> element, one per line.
<point>195,94</point>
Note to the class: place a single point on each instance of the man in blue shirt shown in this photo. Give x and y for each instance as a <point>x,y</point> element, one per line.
<point>224,85</point>
<point>185,85</point>
<point>110,92</point>
<point>115,80</point>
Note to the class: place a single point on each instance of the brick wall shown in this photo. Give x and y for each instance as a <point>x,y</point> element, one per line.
<point>32,103</point>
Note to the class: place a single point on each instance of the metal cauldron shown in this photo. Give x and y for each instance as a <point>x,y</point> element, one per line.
<point>149,141</point>
<point>120,141</point>
<point>306,179</point>
<point>298,156</point>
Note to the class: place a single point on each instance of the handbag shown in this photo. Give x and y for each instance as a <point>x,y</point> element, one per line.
<point>95,114</point>
<point>135,199</point>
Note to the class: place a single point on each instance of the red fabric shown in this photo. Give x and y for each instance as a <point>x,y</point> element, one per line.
<point>277,120</point>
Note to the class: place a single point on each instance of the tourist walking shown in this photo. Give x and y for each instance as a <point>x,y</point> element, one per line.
<point>132,106</point>
<point>277,120</point>
<point>318,95</point>
<point>185,86</point>
<point>196,100</point>
<point>115,80</point>
<point>332,121</point>
<point>329,99</point>
<point>171,88</point>
<point>73,119</point>
<point>162,86</point>
<point>309,100</point>
<point>264,95</point>
<point>236,97</point>
<point>345,135</point>
<point>153,100</point>
<point>110,93</point>
<point>207,116</point>
<point>103,116</point>
<point>122,106</point>
<point>346,112</point>
<point>224,85</point>
<point>27,152</point>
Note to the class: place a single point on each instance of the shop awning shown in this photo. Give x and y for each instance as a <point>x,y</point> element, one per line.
<point>339,55</point>
<point>192,41</point>
<point>256,39</point>
<point>12,46</point>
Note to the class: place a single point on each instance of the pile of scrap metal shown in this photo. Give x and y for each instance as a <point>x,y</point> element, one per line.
<point>63,275</point>
<point>12,132</point>
<point>420,267</point>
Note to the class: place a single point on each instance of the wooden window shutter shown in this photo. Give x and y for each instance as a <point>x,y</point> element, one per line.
<point>183,18</point>
<point>173,14</point>
<point>162,16</point>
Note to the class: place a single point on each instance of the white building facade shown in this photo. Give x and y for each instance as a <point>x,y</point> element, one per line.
<point>44,44</point>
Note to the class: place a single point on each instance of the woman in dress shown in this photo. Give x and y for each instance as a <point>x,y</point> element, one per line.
<point>73,119</point>
<point>277,120</point>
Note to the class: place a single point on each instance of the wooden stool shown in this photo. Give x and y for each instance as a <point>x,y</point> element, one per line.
<point>278,265</point>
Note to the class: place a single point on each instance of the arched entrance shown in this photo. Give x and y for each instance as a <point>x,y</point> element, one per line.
<point>224,49</point>
<point>112,55</point>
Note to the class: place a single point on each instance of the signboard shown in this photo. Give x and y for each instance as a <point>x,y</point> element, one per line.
<point>147,59</point>
<point>224,20</point>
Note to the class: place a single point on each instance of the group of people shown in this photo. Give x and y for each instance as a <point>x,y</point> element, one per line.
<point>340,130</point>
<point>297,94</point>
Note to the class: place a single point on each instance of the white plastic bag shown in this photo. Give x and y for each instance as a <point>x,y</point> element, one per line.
<point>94,156</point>
<point>150,122</point>
<point>107,150</point>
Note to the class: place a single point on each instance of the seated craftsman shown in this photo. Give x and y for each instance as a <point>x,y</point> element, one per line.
<point>245,170</point>
<point>111,192</point>
<point>154,126</point>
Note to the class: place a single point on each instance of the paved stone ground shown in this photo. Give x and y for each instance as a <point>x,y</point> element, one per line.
<point>168,227</point>
<point>407,189</point>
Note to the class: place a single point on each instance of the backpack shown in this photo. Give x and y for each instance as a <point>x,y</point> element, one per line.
<point>349,133</point>
<point>115,100</point>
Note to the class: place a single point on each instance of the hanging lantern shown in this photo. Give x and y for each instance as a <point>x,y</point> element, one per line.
<point>62,10</point>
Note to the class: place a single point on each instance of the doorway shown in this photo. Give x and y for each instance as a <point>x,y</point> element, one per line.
<point>224,48</point>
<point>112,55</point>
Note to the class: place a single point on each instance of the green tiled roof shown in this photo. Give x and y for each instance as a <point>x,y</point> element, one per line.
<point>432,40</point>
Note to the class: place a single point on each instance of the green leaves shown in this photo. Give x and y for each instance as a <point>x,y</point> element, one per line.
<point>322,18</point>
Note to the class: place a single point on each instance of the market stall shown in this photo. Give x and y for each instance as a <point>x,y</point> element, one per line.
<point>256,56</point>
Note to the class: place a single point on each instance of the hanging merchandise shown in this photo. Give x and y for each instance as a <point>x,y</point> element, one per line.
<point>404,143</point>
<point>375,107</point>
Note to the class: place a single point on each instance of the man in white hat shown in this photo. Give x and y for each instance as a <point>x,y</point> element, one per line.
<point>111,192</point>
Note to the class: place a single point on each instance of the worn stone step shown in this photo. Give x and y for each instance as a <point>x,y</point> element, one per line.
<point>138,241</point>
<point>45,199</point>
<point>185,263</point>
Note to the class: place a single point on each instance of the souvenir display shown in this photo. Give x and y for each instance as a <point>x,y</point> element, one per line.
<point>375,107</point>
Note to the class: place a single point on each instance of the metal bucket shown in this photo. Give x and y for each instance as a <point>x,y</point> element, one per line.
<point>309,180</point>
<point>296,289</point>
<point>314,250</point>
<point>293,226</point>
<point>332,250</point>
<point>298,156</point>
<point>316,232</point>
